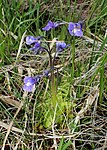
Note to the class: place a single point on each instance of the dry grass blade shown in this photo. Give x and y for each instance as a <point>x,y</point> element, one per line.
<point>6,126</point>
<point>52,43</point>
<point>9,100</point>
<point>10,126</point>
<point>20,46</point>
<point>8,80</point>
<point>97,43</point>
<point>89,101</point>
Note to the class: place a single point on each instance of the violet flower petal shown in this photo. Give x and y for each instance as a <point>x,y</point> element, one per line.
<point>29,80</point>
<point>37,78</point>
<point>51,25</point>
<point>28,83</point>
<point>60,46</point>
<point>36,46</point>
<point>28,88</point>
<point>75,29</point>
<point>30,40</point>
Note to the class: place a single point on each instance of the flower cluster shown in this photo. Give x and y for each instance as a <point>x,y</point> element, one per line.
<point>75,29</point>
<point>37,47</point>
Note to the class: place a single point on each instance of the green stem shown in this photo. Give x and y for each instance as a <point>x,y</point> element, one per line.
<point>53,89</point>
<point>53,84</point>
<point>73,59</point>
<point>101,83</point>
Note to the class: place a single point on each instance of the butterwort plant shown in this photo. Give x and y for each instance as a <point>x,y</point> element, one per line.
<point>36,43</point>
<point>39,44</point>
<point>75,29</point>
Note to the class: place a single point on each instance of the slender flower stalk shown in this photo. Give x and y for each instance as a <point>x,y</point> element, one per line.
<point>73,58</point>
<point>60,46</point>
<point>53,85</point>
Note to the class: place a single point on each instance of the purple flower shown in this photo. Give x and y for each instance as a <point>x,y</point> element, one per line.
<point>30,40</point>
<point>60,46</point>
<point>75,29</point>
<point>36,44</point>
<point>51,25</point>
<point>36,48</point>
<point>29,83</point>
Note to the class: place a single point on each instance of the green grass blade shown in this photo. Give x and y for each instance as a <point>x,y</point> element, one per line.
<point>66,145</point>
<point>101,84</point>
<point>61,144</point>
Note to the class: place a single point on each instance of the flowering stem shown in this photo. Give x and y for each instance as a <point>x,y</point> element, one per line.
<point>73,58</point>
<point>53,89</point>
<point>53,85</point>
